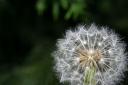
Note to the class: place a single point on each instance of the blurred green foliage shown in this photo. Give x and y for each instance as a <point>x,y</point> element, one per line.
<point>29,30</point>
<point>40,6</point>
<point>110,11</point>
<point>72,8</point>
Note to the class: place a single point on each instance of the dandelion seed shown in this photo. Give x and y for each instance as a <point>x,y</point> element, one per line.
<point>90,56</point>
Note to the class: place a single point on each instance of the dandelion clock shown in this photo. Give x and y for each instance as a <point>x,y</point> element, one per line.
<point>90,55</point>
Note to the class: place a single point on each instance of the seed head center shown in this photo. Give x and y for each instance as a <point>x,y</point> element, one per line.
<point>89,58</point>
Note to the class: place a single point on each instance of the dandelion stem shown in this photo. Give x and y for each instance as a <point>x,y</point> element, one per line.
<point>89,76</point>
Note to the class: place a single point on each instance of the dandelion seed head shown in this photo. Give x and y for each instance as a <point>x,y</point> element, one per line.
<point>90,47</point>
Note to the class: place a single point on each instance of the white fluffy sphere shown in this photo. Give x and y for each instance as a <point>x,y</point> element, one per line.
<point>90,47</point>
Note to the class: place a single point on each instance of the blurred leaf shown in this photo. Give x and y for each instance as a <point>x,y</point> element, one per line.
<point>55,10</point>
<point>75,11</point>
<point>40,6</point>
<point>64,3</point>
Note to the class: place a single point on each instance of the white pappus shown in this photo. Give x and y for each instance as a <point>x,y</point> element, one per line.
<point>90,55</point>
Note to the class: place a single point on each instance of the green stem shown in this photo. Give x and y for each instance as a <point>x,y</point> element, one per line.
<point>89,76</point>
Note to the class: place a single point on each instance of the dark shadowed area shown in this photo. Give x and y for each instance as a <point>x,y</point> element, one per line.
<point>29,30</point>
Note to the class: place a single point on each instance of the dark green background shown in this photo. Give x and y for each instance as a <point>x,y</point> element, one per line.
<point>29,30</point>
